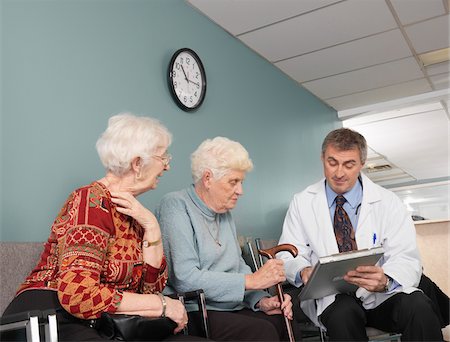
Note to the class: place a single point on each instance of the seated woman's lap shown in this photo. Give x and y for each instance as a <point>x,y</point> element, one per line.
<point>241,325</point>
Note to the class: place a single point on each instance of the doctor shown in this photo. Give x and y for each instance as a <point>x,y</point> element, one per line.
<point>320,222</point>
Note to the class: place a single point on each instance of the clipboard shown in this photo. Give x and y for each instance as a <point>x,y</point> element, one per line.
<point>327,277</point>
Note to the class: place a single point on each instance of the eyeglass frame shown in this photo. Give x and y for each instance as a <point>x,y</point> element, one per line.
<point>164,159</point>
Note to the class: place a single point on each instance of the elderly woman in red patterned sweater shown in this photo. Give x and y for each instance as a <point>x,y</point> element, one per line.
<point>104,253</point>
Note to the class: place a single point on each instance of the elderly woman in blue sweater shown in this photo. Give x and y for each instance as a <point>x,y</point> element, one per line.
<point>200,235</point>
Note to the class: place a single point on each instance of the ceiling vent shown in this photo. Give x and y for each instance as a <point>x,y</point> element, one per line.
<point>378,168</point>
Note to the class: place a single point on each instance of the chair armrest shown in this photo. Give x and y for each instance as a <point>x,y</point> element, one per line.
<point>199,295</point>
<point>28,320</point>
<point>20,316</point>
<point>187,295</point>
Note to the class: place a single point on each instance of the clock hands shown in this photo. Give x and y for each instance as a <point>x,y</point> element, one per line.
<point>184,72</point>
<point>187,79</point>
<point>198,85</point>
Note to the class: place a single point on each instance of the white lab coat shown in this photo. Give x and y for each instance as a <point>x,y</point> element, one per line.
<point>308,226</point>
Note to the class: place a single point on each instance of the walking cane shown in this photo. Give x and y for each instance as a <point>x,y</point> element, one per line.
<point>270,253</point>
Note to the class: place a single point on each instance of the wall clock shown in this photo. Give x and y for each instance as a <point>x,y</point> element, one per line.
<point>187,79</point>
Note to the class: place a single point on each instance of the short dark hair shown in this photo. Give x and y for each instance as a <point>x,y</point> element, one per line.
<point>345,139</point>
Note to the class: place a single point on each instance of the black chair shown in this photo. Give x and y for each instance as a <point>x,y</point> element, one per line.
<point>199,296</point>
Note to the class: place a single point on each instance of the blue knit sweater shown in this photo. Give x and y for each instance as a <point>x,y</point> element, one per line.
<point>195,260</point>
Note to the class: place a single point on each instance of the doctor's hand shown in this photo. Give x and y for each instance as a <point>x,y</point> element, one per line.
<point>270,274</point>
<point>372,278</point>
<point>305,274</point>
<point>271,306</point>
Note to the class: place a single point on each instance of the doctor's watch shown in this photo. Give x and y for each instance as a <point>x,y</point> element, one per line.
<point>388,284</point>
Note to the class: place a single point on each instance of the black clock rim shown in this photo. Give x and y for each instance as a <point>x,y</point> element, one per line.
<point>170,83</point>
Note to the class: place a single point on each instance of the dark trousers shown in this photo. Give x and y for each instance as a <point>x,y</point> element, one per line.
<point>439,299</point>
<point>241,325</point>
<point>412,315</point>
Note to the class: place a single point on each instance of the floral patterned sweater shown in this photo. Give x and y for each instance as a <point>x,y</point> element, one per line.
<point>93,255</point>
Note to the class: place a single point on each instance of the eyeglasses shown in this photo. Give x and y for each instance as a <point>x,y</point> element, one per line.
<point>165,159</point>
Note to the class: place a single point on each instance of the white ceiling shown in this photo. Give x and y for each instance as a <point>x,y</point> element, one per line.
<point>348,53</point>
<point>355,53</point>
<point>361,57</point>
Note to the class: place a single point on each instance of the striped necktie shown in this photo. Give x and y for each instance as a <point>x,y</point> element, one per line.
<point>343,229</point>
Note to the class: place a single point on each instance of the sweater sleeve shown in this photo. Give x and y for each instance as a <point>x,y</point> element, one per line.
<point>84,227</point>
<point>154,279</point>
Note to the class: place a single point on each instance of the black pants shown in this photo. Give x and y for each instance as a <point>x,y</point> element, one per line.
<point>439,299</point>
<point>241,325</point>
<point>70,328</point>
<point>412,315</point>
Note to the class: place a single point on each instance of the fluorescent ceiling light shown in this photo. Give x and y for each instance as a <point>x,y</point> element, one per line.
<point>435,57</point>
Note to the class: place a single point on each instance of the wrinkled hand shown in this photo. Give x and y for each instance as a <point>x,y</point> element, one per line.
<point>176,311</point>
<point>372,278</point>
<point>270,274</point>
<point>305,274</point>
<point>128,204</point>
<point>271,306</point>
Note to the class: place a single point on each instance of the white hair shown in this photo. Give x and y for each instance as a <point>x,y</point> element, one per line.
<point>129,136</point>
<point>219,155</point>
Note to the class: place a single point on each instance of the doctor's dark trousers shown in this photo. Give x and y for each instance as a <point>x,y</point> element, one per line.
<point>413,315</point>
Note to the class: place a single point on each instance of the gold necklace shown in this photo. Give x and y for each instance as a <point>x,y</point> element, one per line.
<point>216,239</point>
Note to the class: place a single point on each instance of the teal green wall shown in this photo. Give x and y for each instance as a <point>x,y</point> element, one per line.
<point>67,65</point>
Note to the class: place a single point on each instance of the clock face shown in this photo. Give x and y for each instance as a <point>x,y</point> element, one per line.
<point>187,79</point>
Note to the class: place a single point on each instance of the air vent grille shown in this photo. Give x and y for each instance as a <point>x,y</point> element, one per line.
<point>378,168</point>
